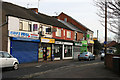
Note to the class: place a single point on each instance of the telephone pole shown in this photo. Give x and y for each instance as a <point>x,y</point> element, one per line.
<point>105,28</point>
<point>97,34</point>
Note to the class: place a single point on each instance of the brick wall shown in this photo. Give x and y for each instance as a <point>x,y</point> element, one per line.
<point>64,37</point>
<point>79,36</point>
<point>109,61</point>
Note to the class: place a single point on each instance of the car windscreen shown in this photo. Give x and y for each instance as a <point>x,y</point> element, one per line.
<point>109,51</point>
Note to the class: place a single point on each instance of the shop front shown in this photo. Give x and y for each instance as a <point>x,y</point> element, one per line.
<point>90,45</point>
<point>84,46</point>
<point>23,46</point>
<point>63,50</point>
<point>45,49</point>
<point>76,49</point>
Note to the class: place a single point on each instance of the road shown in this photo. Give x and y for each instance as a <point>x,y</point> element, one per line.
<point>61,69</point>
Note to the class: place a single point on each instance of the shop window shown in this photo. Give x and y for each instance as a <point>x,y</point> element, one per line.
<point>67,51</point>
<point>57,51</point>
<point>58,33</point>
<point>68,34</point>
<point>35,27</point>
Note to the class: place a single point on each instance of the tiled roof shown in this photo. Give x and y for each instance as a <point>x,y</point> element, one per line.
<point>10,9</point>
<point>77,22</point>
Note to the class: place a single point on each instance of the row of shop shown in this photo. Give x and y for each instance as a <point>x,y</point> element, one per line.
<point>33,50</point>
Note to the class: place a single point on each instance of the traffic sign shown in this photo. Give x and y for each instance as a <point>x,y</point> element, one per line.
<point>105,42</point>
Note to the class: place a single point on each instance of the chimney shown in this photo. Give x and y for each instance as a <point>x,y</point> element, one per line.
<point>34,9</point>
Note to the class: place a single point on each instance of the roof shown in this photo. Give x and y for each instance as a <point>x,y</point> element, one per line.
<point>10,9</point>
<point>74,28</point>
<point>76,21</point>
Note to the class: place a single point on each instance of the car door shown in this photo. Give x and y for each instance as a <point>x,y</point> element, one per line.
<point>2,60</point>
<point>9,60</point>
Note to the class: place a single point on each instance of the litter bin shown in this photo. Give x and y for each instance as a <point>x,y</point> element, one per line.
<point>116,64</point>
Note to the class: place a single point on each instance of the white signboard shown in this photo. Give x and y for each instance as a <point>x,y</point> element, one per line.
<point>65,43</point>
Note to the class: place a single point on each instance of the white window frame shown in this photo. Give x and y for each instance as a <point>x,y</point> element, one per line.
<point>58,32</point>
<point>68,34</point>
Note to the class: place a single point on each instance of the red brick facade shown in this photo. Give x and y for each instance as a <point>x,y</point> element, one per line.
<point>62,16</point>
<point>63,37</point>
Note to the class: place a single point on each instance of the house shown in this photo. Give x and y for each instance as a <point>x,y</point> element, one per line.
<point>87,33</point>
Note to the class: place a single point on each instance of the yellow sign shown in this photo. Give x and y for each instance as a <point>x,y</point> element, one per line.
<point>94,38</point>
<point>104,45</point>
<point>47,40</point>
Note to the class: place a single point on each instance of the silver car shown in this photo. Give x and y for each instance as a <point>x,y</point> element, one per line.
<point>86,56</point>
<point>109,51</point>
<point>7,60</point>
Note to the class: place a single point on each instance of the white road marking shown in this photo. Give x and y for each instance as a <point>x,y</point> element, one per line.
<point>38,66</point>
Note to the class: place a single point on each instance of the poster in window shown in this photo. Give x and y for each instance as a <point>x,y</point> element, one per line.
<point>40,53</point>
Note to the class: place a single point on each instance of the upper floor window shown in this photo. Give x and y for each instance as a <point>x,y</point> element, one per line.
<point>58,33</point>
<point>48,30</point>
<point>75,35</point>
<point>35,27</point>
<point>68,34</point>
<point>64,32</point>
<point>21,26</point>
<point>30,27</point>
<point>65,19</point>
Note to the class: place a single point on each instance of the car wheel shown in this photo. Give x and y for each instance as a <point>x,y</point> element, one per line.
<point>15,67</point>
<point>101,58</point>
<point>89,59</point>
<point>79,59</point>
<point>94,58</point>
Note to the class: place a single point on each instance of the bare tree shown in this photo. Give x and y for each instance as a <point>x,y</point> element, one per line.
<point>113,12</point>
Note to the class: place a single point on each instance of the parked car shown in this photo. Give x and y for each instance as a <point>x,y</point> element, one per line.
<point>109,51</point>
<point>7,60</point>
<point>86,56</point>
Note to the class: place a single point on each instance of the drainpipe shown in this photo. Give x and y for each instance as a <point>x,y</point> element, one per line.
<point>4,22</point>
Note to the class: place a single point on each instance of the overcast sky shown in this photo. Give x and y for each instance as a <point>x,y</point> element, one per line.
<point>83,11</point>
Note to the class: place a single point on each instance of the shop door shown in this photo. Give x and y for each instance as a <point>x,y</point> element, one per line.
<point>25,51</point>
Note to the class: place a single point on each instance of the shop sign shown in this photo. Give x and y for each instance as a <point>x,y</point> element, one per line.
<point>90,42</point>
<point>23,34</point>
<point>77,44</point>
<point>65,43</point>
<point>68,43</point>
<point>58,42</point>
<point>47,40</point>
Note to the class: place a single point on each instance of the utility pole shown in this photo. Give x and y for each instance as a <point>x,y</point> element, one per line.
<point>97,34</point>
<point>105,28</point>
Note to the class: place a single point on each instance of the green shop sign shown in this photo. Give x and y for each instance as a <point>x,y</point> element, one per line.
<point>84,43</point>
